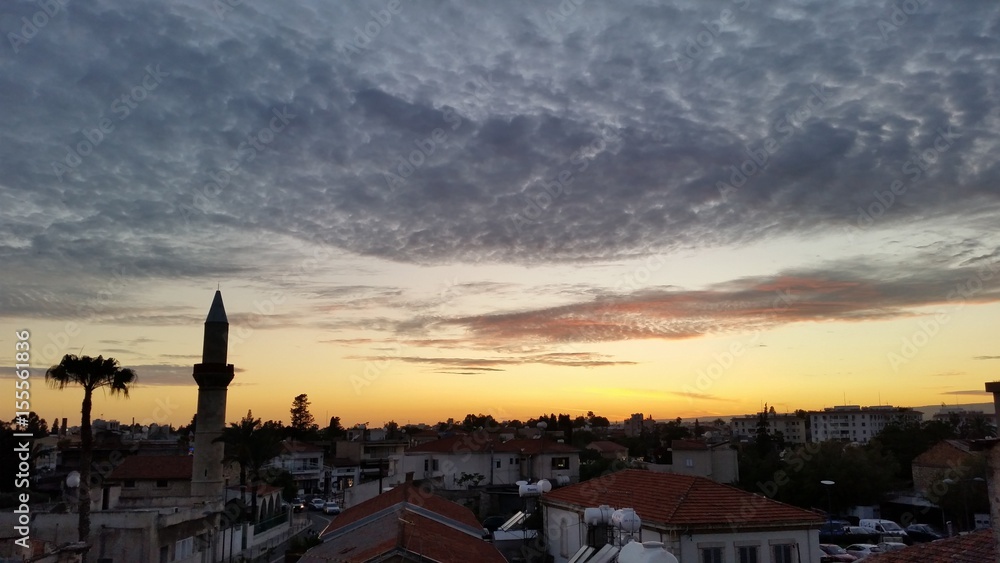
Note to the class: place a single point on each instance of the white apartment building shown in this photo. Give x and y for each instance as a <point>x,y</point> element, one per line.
<point>854,423</point>
<point>791,427</point>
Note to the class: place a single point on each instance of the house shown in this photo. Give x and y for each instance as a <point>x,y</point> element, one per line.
<point>407,523</point>
<point>609,449</point>
<point>933,464</point>
<point>717,462</point>
<point>976,547</point>
<point>460,461</point>
<point>143,481</point>
<point>304,461</point>
<point>696,518</point>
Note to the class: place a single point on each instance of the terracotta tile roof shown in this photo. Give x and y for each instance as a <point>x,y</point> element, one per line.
<point>410,494</point>
<point>408,518</point>
<point>673,500</point>
<point>296,446</point>
<point>976,547</point>
<point>154,467</point>
<point>606,446</point>
<point>688,445</point>
<point>480,442</point>
<point>399,531</point>
<point>943,452</point>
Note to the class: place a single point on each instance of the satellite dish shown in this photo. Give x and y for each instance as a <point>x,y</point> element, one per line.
<point>542,424</point>
<point>73,479</point>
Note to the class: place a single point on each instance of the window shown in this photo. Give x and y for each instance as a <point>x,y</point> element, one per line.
<point>498,464</point>
<point>689,462</point>
<point>426,464</point>
<point>560,463</point>
<point>711,555</point>
<point>746,554</point>
<point>434,465</point>
<point>129,484</point>
<point>162,484</point>
<point>782,553</point>
<point>184,549</point>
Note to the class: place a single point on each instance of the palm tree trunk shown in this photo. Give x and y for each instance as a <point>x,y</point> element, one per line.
<point>86,457</point>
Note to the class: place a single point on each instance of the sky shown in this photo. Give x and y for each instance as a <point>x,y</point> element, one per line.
<point>416,211</point>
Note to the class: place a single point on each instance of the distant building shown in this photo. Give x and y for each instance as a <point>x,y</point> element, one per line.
<point>976,547</point>
<point>304,461</point>
<point>609,450</point>
<point>636,424</point>
<point>853,423</point>
<point>792,427</point>
<point>715,461</point>
<point>934,463</point>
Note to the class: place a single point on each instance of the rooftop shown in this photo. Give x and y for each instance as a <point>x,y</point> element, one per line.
<point>976,547</point>
<point>674,500</point>
<point>407,519</point>
<point>481,442</point>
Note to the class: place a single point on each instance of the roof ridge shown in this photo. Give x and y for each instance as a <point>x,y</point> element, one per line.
<point>680,500</point>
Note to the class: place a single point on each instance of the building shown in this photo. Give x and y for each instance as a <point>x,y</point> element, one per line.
<point>718,462</point>
<point>975,547</point>
<point>857,424</point>
<point>408,523</point>
<point>935,463</point>
<point>304,461</point>
<point>636,424</point>
<point>697,519</point>
<point>791,427</point>
<point>609,449</point>
<point>461,461</point>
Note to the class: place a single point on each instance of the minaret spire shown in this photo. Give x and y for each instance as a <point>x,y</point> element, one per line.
<point>213,375</point>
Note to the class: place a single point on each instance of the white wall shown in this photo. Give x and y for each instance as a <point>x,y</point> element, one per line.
<point>566,532</point>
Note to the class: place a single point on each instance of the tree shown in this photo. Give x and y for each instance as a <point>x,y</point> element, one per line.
<point>250,445</point>
<point>91,374</point>
<point>302,420</point>
<point>335,430</point>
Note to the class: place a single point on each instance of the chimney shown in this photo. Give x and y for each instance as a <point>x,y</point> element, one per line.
<point>63,427</point>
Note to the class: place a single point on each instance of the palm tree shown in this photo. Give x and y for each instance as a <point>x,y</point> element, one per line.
<point>250,445</point>
<point>89,373</point>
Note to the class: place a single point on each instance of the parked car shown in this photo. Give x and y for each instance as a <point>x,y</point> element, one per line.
<point>835,554</point>
<point>862,550</point>
<point>885,529</point>
<point>923,533</point>
<point>855,534</point>
<point>891,545</point>
<point>317,504</point>
<point>298,504</point>
<point>331,508</point>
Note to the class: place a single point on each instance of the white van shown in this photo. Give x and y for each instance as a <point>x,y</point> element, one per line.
<point>884,528</point>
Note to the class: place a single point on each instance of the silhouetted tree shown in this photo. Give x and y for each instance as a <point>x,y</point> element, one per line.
<point>302,423</point>
<point>90,374</point>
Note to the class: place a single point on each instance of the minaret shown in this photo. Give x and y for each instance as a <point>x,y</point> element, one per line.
<point>213,375</point>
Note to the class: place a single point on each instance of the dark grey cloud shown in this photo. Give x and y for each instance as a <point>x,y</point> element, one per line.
<point>181,144</point>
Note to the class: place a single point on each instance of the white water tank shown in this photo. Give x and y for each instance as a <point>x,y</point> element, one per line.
<point>531,490</point>
<point>626,520</point>
<point>645,552</point>
<point>597,516</point>
<point>544,486</point>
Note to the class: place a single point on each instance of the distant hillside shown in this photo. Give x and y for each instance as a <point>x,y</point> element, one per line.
<point>928,410</point>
